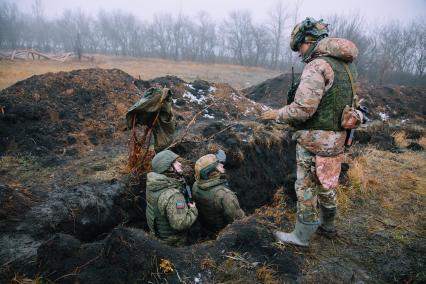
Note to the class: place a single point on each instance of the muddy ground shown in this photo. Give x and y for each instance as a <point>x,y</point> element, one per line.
<point>71,211</point>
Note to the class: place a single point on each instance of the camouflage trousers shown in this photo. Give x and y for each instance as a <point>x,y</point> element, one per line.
<point>317,180</point>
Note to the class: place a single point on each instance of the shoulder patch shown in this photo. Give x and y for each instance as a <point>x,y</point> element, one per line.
<point>180,204</point>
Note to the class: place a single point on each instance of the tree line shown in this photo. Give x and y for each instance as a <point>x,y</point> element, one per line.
<point>392,51</point>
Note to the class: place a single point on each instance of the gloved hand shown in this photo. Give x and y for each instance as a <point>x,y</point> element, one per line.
<point>269,115</point>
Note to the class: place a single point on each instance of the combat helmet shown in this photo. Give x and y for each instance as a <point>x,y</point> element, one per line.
<point>309,30</point>
<point>207,163</point>
<point>163,161</point>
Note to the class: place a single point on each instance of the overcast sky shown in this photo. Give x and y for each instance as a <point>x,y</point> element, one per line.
<point>371,10</point>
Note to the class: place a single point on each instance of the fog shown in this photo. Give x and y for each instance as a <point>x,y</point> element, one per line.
<point>372,11</point>
<point>391,37</point>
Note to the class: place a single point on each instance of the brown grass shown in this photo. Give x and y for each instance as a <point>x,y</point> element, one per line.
<point>237,76</point>
<point>266,275</point>
<point>422,141</point>
<point>397,182</point>
<point>400,138</point>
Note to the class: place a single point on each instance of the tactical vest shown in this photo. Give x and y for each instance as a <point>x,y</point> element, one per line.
<point>158,221</point>
<point>209,206</point>
<point>329,112</point>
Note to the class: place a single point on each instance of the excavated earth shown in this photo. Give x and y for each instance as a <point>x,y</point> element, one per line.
<point>71,212</point>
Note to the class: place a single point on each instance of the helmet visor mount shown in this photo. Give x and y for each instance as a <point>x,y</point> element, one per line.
<point>309,31</point>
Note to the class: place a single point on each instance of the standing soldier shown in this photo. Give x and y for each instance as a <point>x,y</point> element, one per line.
<point>326,87</point>
<point>217,204</point>
<point>168,215</point>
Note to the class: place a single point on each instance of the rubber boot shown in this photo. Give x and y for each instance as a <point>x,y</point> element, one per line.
<point>327,226</point>
<point>301,234</point>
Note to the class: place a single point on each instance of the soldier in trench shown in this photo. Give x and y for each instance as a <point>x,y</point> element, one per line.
<point>217,204</point>
<point>168,214</point>
<point>326,87</point>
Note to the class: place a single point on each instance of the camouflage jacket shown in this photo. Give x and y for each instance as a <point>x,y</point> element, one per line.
<point>167,205</point>
<point>317,78</point>
<point>218,205</point>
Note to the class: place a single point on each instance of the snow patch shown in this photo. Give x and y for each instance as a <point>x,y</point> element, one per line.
<point>193,99</point>
<point>206,115</point>
<point>190,86</point>
<point>383,116</point>
<point>212,89</point>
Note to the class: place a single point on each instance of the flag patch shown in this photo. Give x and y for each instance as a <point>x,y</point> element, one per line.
<point>180,205</point>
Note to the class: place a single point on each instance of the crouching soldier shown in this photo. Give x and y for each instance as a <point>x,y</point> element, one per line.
<point>168,215</point>
<point>217,204</point>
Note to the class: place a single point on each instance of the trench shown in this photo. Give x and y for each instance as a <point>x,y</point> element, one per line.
<point>255,171</point>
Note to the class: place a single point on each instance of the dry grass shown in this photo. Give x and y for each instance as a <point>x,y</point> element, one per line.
<point>266,275</point>
<point>17,171</point>
<point>422,141</point>
<point>400,138</point>
<point>277,210</point>
<point>397,182</point>
<point>237,76</point>
<point>208,263</point>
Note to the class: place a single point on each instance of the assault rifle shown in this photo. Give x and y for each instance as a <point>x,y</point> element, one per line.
<point>291,93</point>
<point>187,193</point>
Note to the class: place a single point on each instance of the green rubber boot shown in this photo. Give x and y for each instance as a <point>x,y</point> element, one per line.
<point>301,234</point>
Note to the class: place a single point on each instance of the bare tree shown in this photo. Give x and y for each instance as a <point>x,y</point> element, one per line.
<point>419,32</point>
<point>278,16</point>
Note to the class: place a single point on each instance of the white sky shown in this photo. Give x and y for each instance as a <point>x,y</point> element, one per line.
<point>371,10</point>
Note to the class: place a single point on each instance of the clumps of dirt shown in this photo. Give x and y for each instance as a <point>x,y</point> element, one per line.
<point>384,102</point>
<point>242,246</point>
<point>207,101</point>
<point>65,112</point>
<point>14,201</point>
<point>395,102</point>
<point>272,92</point>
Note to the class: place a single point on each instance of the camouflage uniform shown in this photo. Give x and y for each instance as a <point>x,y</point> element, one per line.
<point>218,205</point>
<point>168,215</point>
<point>319,152</point>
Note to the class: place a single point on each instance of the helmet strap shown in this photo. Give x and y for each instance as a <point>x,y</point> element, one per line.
<point>310,52</point>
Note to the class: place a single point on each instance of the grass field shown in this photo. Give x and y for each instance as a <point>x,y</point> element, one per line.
<point>237,76</point>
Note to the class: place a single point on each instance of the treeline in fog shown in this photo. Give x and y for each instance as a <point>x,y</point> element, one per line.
<point>389,52</point>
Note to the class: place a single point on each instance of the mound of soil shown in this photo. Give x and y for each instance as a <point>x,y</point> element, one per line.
<point>140,256</point>
<point>397,102</point>
<point>64,112</point>
<point>272,92</point>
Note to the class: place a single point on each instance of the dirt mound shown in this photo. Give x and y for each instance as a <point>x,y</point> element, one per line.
<point>396,102</point>
<point>64,112</point>
<point>272,92</point>
<point>71,112</point>
<point>244,245</point>
<point>206,100</point>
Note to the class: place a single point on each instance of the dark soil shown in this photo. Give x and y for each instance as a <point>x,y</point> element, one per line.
<point>71,212</point>
<point>272,92</point>
<point>397,102</point>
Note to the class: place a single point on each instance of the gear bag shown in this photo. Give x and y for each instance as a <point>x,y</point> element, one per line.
<point>154,110</point>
